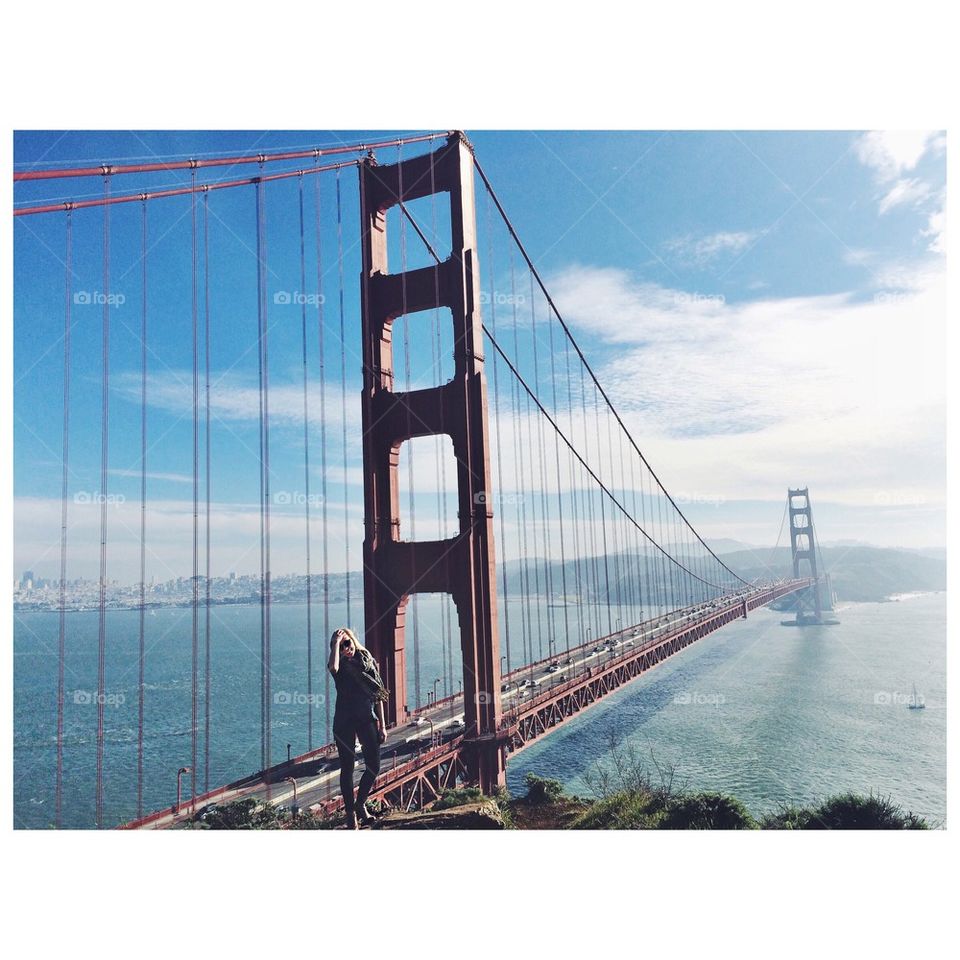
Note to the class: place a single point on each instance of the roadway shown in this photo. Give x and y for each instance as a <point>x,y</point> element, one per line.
<point>317,774</point>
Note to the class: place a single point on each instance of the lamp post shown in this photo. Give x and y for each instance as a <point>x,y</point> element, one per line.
<point>293,807</point>
<point>180,774</point>
<point>435,682</point>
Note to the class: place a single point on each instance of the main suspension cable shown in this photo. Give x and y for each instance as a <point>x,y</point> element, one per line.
<point>106,170</point>
<point>586,363</point>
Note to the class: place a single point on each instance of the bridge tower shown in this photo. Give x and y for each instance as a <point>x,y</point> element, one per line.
<point>804,550</point>
<point>463,565</point>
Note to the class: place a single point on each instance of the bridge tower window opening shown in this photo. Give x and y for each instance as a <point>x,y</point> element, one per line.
<point>427,508</point>
<point>431,214</point>
<point>422,344</point>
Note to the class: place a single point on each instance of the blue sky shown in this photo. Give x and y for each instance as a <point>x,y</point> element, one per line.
<point>766,309</point>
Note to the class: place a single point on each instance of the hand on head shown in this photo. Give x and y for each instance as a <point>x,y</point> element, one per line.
<point>345,642</point>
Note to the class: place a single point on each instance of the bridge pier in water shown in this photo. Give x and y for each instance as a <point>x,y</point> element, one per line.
<point>804,549</point>
<point>462,565</point>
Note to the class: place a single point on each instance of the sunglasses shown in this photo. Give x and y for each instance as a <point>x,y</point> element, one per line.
<point>346,644</point>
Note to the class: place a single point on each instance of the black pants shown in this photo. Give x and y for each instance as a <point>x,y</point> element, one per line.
<point>346,732</point>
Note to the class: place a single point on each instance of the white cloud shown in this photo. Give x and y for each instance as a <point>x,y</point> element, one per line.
<point>857,257</point>
<point>905,191</point>
<point>845,392</point>
<point>234,399</point>
<point>937,231</point>
<point>893,152</point>
<point>702,250</point>
<point>151,475</point>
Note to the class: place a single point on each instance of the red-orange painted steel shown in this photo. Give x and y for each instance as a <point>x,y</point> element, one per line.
<point>463,565</point>
<point>110,170</point>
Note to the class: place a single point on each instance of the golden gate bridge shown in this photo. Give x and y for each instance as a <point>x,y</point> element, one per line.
<point>570,568</point>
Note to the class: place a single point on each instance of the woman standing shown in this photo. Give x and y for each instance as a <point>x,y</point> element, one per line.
<point>358,716</point>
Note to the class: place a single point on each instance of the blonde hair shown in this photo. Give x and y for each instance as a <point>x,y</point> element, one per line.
<point>350,633</point>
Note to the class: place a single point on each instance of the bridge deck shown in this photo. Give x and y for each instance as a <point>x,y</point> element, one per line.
<point>420,765</point>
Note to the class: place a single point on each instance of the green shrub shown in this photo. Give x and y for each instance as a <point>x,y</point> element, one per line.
<point>627,810</point>
<point>543,790</point>
<point>852,811</point>
<point>456,797</point>
<point>787,817</point>
<point>706,811</point>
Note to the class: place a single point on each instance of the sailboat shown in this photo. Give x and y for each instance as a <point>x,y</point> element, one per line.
<point>916,703</point>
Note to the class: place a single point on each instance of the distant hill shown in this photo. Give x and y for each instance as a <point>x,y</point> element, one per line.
<point>858,573</point>
<point>724,545</point>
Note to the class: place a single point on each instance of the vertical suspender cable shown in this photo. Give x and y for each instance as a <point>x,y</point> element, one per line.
<point>411,494</point>
<point>306,469</point>
<point>590,516</point>
<point>64,488</point>
<point>141,654</point>
<point>536,596</point>
<point>501,500</point>
<point>263,585</point>
<point>574,500</point>
<point>603,518</point>
<point>195,579</point>
<point>268,581</point>
<point>343,399</point>
<point>556,451</point>
<point>206,435</point>
<point>104,460</point>
<point>617,540</point>
<point>527,632</point>
<point>544,491</point>
<point>446,632</point>
<point>323,444</point>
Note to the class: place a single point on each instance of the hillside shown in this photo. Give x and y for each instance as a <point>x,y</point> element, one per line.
<point>858,573</point>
